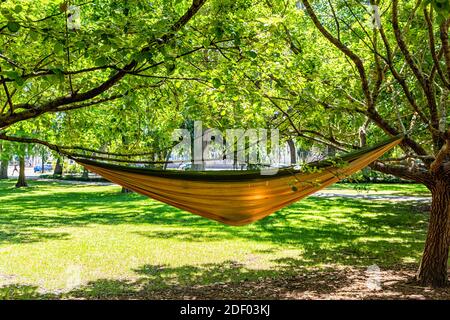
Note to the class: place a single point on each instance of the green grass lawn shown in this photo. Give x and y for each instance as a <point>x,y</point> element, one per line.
<point>63,240</point>
<point>407,189</point>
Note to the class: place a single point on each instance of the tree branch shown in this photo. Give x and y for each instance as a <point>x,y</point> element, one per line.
<point>445,43</point>
<point>80,97</point>
<point>431,42</point>
<point>344,49</point>
<point>441,156</point>
<point>403,172</point>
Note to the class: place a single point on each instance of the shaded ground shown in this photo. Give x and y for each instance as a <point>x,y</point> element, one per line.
<point>347,283</point>
<point>332,284</point>
<point>92,242</point>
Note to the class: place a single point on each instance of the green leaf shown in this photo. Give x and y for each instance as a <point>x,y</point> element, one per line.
<point>424,4</point>
<point>206,42</point>
<point>148,56</point>
<point>58,74</point>
<point>11,74</point>
<point>13,26</point>
<point>143,56</point>
<point>20,81</point>
<point>170,66</point>
<point>216,83</point>
<point>101,61</point>
<point>56,71</point>
<point>252,54</point>
<point>59,48</point>
<point>80,44</point>
<point>440,19</point>
<point>14,75</point>
<point>218,31</point>
<point>34,35</point>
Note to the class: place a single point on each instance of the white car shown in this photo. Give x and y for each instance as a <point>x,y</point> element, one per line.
<point>185,166</point>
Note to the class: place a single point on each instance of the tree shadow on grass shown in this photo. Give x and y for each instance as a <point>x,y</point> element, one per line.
<point>385,236</point>
<point>231,280</point>
<point>25,213</point>
<point>24,292</point>
<point>207,281</point>
<point>29,236</point>
<point>327,230</point>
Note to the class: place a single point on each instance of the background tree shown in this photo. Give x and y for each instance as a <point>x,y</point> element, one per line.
<point>21,152</point>
<point>5,156</point>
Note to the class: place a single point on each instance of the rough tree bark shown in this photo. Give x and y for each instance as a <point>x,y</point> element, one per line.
<point>21,182</point>
<point>433,267</point>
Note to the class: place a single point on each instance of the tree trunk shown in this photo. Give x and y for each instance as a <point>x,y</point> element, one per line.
<point>235,158</point>
<point>331,152</point>
<point>43,162</point>
<point>433,267</point>
<point>85,174</point>
<point>292,151</point>
<point>167,157</point>
<point>125,190</point>
<point>21,182</point>
<point>4,169</point>
<point>3,165</point>
<point>197,164</point>
<point>58,168</point>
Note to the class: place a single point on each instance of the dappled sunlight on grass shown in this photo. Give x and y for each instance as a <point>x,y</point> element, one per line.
<point>406,189</point>
<point>121,242</point>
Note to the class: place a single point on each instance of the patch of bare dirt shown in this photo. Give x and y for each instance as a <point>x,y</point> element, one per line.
<point>343,283</point>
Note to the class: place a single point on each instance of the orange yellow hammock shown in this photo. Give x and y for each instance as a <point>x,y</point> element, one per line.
<point>237,197</point>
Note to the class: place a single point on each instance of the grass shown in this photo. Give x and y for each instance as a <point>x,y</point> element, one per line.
<point>407,189</point>
<point>85,241</point>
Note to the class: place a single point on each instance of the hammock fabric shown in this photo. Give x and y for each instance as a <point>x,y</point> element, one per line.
<point>237,197</point>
